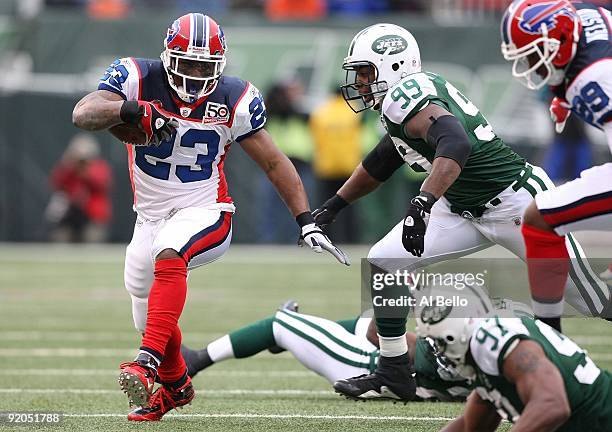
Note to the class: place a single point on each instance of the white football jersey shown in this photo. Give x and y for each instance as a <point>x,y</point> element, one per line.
<point>187,170</point>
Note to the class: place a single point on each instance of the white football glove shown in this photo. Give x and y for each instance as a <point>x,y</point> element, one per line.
<point>314,237</point>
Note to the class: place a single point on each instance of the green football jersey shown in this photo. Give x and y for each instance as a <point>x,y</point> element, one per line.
<point>491,167</point>
<point>588,388</point>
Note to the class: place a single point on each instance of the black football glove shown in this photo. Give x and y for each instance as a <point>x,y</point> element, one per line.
<point>415,223</point>
<point>148,117</point>
<point>326,214</point>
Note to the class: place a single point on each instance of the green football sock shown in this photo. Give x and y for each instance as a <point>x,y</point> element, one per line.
<point>391,327</point>
<point>253,338</point>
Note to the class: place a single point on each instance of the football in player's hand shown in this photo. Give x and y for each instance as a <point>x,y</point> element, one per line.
<point>129,134</point>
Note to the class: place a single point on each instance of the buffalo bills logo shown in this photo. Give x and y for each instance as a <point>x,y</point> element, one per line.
<point>173,31</point>
<point>543,13</point>
<point>222,41</point>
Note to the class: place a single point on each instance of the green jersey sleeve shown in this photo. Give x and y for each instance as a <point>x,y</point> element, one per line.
<point>405,99</point>
<point>493,340</point>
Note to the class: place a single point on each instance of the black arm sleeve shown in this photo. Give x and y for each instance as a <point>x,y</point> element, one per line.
<point>447,136</point>
<point>383,160</point>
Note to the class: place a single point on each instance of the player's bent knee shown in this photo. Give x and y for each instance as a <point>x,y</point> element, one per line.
<point>534,218</point>
<point>167,254</point>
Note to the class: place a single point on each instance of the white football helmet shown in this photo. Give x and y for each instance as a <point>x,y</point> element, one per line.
<point>451,327</point>
<point>378,57</point>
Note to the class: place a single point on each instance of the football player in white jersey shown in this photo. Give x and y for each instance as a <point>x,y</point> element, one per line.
<point>569,48</point>
<point>185,113</point>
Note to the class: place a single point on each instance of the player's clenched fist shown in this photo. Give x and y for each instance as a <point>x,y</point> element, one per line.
<point>559,112</point>
<point>415,223</point>
<point>148,117</point>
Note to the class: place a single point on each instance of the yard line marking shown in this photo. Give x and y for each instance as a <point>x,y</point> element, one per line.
<point>112,352</point>
<point>590,340</point>
<point>66,352</point>
<point>220,373</point>
<point>130,336</point>
<point>205,392</point>
<point>279,416</point>
<point>82,336</point>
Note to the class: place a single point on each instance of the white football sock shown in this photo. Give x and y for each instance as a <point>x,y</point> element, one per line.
<point>393,346</point>
<point>221,349</point>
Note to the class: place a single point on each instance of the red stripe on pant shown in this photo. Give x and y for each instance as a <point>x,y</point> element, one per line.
<point>211,239</point>
<point>577,213</point>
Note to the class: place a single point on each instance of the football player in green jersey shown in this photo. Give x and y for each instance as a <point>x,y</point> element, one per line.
<point>474,196</point>
<point>338,349</point>
<point>523,371</point>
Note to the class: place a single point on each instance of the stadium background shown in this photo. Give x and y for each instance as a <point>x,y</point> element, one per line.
<point>53,55</point>
<point>65,320</point>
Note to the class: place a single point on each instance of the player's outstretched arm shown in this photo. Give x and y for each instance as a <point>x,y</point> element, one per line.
<point>540,387</point>
<point>287,182</point>
<point>478,416</point>
<point>98,110</point>
<point>375,169</point>
<point>279,170</point>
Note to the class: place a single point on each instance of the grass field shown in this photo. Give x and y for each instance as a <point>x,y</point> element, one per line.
<point>65,325</point>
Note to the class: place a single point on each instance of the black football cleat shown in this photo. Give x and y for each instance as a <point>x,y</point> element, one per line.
<point>290,305</point>
<point>196,360</point>
<point>393,379</point>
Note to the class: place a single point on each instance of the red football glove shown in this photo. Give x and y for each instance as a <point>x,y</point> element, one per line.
<point>148,117</point>
<point>559,112</point>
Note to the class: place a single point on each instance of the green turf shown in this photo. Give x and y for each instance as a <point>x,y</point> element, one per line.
<point>65,325</point>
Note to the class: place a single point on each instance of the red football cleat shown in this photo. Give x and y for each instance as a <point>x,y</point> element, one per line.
<point>163,400</point>
<point>137,382</point>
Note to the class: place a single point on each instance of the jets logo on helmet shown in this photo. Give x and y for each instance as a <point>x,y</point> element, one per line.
<point>194,56</point>
<point>396,44</point>
<point>543,14</point>
<point>541,38</point>
<point>435,314</point>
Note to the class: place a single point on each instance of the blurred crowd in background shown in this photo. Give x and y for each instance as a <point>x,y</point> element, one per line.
<point>285,9</point>
<point>85,194</point>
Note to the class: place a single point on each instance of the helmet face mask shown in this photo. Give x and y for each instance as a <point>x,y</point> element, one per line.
<point>541,38</point>
<point>533,63</point>
<point>192,78</point>
<point>362,88</point>
<point>194,56</point>
<point>451,327</point>
<point>379,56</point>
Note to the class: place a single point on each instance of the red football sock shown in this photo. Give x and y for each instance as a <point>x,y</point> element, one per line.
<point>548,267</point>
<point>166,301</point>
<point>173,367</point>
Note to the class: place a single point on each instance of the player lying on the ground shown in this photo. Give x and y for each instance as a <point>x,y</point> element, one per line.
<point>569,48</point>
<point>473,198</point>
<point>185,114</point>
<point>336,350</point>
<point>522,370</point>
